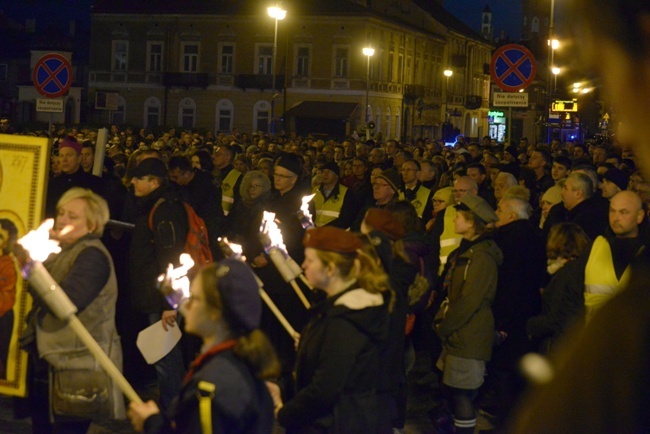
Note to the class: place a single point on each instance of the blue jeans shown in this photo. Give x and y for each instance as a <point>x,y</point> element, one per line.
<point>170,370</point>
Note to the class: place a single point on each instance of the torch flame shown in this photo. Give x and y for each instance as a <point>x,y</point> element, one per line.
<point>38,242</point>
<point>177,277</point>
<point>305,206</point>
<point>236,248</point>
<point>270,227</point>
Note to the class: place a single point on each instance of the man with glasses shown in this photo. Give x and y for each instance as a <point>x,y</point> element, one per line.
<point>413,190</point>
<point>332,204</point>
<point>230,177</point>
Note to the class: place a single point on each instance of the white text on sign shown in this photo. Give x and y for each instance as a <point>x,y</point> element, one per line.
<point>510,99</point>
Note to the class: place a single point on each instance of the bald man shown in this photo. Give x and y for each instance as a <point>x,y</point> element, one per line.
<point>606,263</point>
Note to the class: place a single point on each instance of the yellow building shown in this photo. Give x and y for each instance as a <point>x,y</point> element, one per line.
<point>209,65</point>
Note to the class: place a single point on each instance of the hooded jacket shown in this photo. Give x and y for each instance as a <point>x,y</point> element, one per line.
<point>467,329</point>
<point>337,366</point>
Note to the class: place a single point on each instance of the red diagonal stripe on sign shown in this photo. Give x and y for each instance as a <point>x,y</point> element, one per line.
<point>513,67</point>
<point>53,76</point>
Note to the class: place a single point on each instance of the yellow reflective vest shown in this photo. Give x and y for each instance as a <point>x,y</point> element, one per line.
<point>449,239</point>
<point>420,201</point>
<point>228,190</point>
<point>601,283</point>
<point>328,210</point>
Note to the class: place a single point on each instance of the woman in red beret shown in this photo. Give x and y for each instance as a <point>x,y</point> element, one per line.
<point>338,354</point>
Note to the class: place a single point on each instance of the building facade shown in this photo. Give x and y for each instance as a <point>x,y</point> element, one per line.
<point>199,66</point>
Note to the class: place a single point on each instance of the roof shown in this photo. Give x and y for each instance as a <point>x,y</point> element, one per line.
<point>322,110</point>
<point>447,19</point>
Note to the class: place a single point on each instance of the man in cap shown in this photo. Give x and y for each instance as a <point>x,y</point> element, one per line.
<point>332,205</point>
<point>72,175</point>
<point>158,240</point>
<point>614,181</point>
<point>385,191</point>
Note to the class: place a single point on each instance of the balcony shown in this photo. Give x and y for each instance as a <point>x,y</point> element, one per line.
<point>258,81</point>
<point>185,79</point>
<point>125,77</point>
<point>413,92</point>
<point>473,102</point>
<point>225,79</point>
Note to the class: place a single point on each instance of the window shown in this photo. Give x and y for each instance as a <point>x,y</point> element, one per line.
<point>264,60</point>
<point>261,116</point>
<point>154,56</point>
<point>190,57</point>
<point>390,66</point>
<point>152,112</point>
<point>3,72</point>
<point>341,62</point>
<point>388,136</point>
<point>118,116</point>
<point>120,55</point>
<point>227,59</point>
<point>224,110</point>
<point>302,61</point>
<point>187,113</point>
<point>400,68</point>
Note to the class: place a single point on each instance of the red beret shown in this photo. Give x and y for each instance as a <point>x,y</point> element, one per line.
<point>384,221</point>
<point>332,239</point>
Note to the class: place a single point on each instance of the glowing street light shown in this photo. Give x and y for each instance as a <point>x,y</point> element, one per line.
<point>278,14</point>
<point>368,52</point>
<point>448,73</point>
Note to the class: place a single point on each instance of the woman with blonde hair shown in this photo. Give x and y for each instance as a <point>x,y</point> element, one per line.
<point>79,390</point>
<point>338,355</point>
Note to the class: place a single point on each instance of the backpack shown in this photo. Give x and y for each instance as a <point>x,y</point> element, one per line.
<point>197,243</point>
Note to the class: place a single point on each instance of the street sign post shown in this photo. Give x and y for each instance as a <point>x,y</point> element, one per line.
<point>52,75</point>
<point>513,67</point>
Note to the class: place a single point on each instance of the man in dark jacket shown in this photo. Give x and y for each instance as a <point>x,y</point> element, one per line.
<point>152,249</point>
<point>517,298</point>
<point>72,175</point>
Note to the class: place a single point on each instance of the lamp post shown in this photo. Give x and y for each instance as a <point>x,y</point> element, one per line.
<point>278,14</point>
<point>555,70</point>
<point>368,52</point>
<point>552,45</point>
<point>448,73</point>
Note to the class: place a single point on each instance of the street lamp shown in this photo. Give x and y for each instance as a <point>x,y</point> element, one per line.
<point>448,73</point>
<point>368,52</point>
<point>278,14</point>
<point>555,70</point>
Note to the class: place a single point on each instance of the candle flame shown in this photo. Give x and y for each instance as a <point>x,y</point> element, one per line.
<point>38,242</point>
<point>270,227</point>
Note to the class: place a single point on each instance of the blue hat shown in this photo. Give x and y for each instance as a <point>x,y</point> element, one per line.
<point>240,294</point>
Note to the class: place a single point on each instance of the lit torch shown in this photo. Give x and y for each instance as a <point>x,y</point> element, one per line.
<point>175,284</point>
<point>304,215</point>
<point>271,238</point>
<point>39,247</point>
<point>234,251</point>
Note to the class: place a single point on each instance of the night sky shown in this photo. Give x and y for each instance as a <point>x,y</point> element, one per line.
<point>506,15</point>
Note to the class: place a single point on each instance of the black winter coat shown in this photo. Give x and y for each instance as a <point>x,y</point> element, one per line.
<point>337,367</point>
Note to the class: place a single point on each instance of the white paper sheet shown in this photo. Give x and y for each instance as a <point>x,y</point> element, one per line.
<point>155,343</point>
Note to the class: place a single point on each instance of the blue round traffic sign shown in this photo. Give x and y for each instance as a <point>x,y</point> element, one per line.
<point>52,75</point>
<point>513,67</point>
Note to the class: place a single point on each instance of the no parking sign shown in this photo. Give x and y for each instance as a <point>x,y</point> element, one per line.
<point>513,67</point>
<point>52,75</point>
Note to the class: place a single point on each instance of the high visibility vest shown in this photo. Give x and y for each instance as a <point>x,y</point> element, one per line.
<point>328,210</point>
<point>420,200</point>
<point>449,239</point>
<point>228,190</point>
<point>601,283</point>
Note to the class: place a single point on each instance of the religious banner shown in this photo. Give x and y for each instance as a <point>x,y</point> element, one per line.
<point>23,184</point>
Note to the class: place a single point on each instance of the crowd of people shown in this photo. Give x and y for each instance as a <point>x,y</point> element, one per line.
<point>493,250</point>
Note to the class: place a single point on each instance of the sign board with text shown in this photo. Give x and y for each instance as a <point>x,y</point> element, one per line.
<point>49,105</point>
<point>510,99</point>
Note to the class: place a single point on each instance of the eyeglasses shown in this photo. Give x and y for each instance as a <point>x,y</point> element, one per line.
<point>379,185</point>
<point>279,175</point>
<point>459,190</point>
<point>438,201</point>
<point>255,186</point>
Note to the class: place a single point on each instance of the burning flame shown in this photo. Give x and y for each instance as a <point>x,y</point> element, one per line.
<point>38,242</point>
<point>270,227</point>
<point>177,277</point>
<point>236,248</point>
<point>305,210</point>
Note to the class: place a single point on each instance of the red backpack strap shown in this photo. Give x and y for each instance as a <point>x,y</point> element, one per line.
<point>153,210</point>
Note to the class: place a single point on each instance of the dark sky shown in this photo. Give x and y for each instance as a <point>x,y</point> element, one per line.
<point>506,15</point>
<point>48,12</point>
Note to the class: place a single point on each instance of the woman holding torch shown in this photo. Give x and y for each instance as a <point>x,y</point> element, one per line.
<point>223,391</point>
<point>79,390</point>
<point>338,354</point>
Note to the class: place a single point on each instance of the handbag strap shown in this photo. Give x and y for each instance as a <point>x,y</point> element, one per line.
<point>205,396</point>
